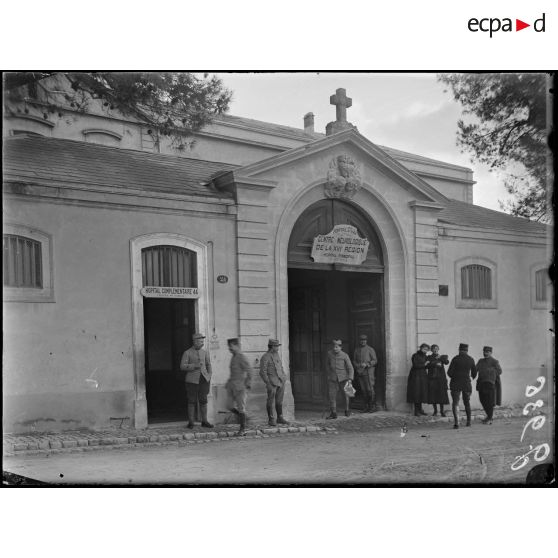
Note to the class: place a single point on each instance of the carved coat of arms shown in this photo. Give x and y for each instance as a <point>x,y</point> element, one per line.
<point>343,178</point>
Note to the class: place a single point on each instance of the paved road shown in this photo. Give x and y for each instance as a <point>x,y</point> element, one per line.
<point>426,454</point>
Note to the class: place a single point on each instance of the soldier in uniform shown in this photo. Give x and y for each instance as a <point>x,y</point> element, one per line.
<point>239,382</point>
<point>489,371</point>
<point>196,363</point>
<point>339,372</point>
<point>461,369</point>
<point>271,372</point>
<point>365,361</point>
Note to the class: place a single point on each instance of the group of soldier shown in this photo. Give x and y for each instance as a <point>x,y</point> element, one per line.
<point>427,382</point>
<point>197,365</point>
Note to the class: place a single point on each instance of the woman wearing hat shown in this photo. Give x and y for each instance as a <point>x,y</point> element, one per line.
<point>417,383</point>
<point>437,380</point>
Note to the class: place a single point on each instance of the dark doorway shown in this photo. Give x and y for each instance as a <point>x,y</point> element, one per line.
<point>324,305</point>
<point>169,325</point>
<point>328,301</point>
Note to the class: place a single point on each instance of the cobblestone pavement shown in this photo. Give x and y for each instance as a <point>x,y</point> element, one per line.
<point>428,452</point>
<point>89,441</point>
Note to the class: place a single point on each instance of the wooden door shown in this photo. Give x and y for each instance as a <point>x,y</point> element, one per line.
<point>366,317</point>
<point>308,377</point>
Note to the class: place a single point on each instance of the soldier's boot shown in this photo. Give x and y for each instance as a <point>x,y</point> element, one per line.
<point>417,413</point>
<point>191,414</point>
<point>442,412</point>
<point>333,413</point>
<point>280,418</point>
<point>435,410</point>
<point>204,422</point>
<point>347,406</point>
<point>373,407</point>
<point>455,411</point>
<point>468,412</point>
<point>271,419</point>
<point>242,429</point>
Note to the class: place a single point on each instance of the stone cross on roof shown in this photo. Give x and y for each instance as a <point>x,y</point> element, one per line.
<point>342,103</point>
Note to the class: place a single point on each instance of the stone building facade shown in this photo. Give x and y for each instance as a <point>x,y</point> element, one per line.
<point>117,247</point>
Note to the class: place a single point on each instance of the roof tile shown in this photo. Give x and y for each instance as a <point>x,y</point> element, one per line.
<point>74,161</point>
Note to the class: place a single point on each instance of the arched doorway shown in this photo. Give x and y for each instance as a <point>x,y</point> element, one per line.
<point>169,302</point>
<point>332,300</point>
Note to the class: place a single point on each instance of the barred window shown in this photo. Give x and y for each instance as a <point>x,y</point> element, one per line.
<point>169,266</point>
<point>22,262</point>
<point>540,285</point>
<point>476,282</point>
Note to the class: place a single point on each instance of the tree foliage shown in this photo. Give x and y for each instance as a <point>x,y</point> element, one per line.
<point>175,104</point>
<point>504,126</point>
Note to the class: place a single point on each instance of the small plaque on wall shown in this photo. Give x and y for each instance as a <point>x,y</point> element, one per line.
<point>443,290</point>
<point>222,279</point>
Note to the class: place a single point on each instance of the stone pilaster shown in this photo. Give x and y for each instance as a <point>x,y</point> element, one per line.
<point>426,271</point>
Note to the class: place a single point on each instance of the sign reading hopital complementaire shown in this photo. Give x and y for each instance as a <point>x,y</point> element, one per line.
<point>342,245</point>
<point>170,292</point>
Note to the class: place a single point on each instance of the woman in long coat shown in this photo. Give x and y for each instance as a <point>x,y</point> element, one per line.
<point>417,383</point>
<point>437,380</point>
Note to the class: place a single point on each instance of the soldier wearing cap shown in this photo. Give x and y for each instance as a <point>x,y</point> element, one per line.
<point>196,363</point>
<point>365,361</point>
<point>271,372</point>
<point>339,372</point>
<point>239,381</point>
<point>489,375</point>
<point>461,369</point>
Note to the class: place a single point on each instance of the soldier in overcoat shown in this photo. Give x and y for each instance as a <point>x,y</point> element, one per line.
<point>417,382</point>
<point>240,380</point>
<point>461,369</point>
<point>271,372</point>
<point>365,361</point>
<point>339,372</point>
<point>489,372</point>
<point>196,363</point>
<point>437,381</point>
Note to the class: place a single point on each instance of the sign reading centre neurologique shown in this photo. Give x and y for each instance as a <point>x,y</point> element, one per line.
<point>170,292</point>
<point>341,245</point>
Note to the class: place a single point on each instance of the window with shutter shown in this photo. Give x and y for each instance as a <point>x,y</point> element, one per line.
<point>22,262</point>
<point>26,265</point>
<point>540,285</point>
<point>476,282</point>
<point>169,266</point>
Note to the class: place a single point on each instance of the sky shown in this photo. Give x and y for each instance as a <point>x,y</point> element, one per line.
<point>410,112</point>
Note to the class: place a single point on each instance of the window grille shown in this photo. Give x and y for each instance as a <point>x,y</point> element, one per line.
<point>22,262</point>
<point>540,285</point>
<point>169,266</point>
<point>476,282</point>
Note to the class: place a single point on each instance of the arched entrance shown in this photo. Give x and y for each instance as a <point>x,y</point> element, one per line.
<point>332,300</point>
<point>169,302</point>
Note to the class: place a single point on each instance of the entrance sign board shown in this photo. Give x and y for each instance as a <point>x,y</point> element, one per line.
<point>170,292</point>
<point>342,245</point>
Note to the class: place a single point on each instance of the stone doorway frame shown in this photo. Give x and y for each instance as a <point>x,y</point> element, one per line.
<point>397,274</point>
<point>138,333</point>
